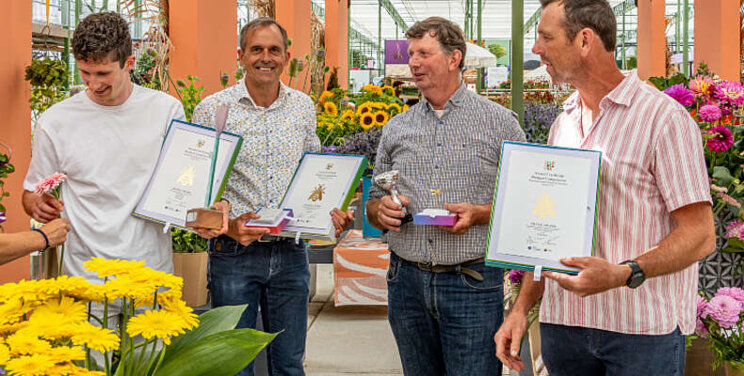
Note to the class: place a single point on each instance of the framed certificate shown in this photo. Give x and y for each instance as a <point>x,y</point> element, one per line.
<point>320,183</point>
<point>544,207</point>
<point>179,180</point>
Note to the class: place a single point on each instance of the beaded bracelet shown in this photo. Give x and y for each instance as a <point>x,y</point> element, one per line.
<point>46,239</point>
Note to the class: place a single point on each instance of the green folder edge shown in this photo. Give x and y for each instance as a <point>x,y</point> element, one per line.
<point>526,267</point>
<point>349,194</point>
<point>230,165</point>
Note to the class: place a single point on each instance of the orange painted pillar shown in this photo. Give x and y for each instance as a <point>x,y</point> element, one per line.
<point>15,130</point>
<point>205,40</point>
<point>717,37</point>
<point>651,39</point>
<point>294,16</point>
<point>337,38</point>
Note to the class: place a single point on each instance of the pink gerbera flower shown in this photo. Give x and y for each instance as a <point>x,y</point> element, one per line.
<point>735,229</point>
<point>733,292</point>
<point>720,139</point>
<point>680,93</point>
<point>701,85</point>
<point>724,309</point>
<point>731,92</point>
<point>710,113</point>
<point>49,184</point>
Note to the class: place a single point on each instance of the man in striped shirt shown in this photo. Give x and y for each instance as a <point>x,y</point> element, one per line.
<point>444,304</point>
<point>654,217</point>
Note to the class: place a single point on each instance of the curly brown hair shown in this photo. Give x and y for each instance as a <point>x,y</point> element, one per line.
<point>448,34</point>
<point>102,36</point>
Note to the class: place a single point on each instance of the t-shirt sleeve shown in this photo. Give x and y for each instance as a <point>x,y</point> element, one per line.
<point>44,158</point>
<point>679,163</point>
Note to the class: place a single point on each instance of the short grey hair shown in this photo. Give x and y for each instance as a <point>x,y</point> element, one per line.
<point>262,22</point>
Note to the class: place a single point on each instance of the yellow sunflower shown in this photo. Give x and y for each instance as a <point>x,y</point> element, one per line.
<point>406,107</point>
<point>373,89</point>
<point>29,365</point>
<point>313,97</point>
<point>367,121</point>
<point>387,89</point>
<point>330,108</point>
<point>348,114</point>
<point>378,105</point>
<point>394,108</point>
<point>364,108</point>
<point>160,324</point>
<point>325,96</point>
<point>381,118</point>
<point>96,338</point>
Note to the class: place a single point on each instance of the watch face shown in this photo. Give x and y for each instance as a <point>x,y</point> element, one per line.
<point>635,280</point>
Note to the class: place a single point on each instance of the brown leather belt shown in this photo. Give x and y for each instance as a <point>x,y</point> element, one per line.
<point>459,268</point>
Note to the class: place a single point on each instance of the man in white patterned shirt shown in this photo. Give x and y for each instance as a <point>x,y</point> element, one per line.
<point>654,216</point>
<point>245,266</point>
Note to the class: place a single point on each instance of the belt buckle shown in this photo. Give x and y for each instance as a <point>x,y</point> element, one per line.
<point>425,267</point>
<point>267,239</point>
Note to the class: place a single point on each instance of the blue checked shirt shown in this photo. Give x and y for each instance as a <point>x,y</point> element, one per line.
<point>274,140</point>
<point>458,155</point>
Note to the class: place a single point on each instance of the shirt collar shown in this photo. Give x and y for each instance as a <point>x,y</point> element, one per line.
<point>242,95</point>
<point>456,99</point>
<point>622,94</point>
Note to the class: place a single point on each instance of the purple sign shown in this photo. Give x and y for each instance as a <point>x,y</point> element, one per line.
<point>396,51</point>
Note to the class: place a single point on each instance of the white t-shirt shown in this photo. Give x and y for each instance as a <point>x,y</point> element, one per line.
<point>108,154</point>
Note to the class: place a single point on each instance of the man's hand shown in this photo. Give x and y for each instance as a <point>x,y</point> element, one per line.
<point>509,339</point>
<point>467,216</point>
<point>389,213</point>
<point>596,275</point>
<point>56,231</point>
<point>46,208</point>
<point>245,235</point>
<point>207,233</point>
<point>341,220</point>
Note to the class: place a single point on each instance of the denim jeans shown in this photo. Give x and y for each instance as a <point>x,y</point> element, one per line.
<point>444,323</point>
<point>274,276</point>
<point>570,350</point>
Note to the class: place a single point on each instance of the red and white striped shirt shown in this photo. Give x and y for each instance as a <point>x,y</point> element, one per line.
<point>652,164</point>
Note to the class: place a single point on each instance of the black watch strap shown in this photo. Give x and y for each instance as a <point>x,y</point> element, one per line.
<point>637,277</point>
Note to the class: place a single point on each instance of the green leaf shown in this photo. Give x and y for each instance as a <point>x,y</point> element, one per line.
<point>732,250</point>
<point>722,175</point>
<point>659,82</point>
<point>220,354</point>
<point>213,321</point>
<point>736,243</point>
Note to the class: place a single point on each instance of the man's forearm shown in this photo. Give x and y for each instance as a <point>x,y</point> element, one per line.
<point>529,294</point>
<point>13,246</point>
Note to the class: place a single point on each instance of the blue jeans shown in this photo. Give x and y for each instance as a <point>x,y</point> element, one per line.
<point>570,350</point>
<point>444,323</point>
<point>274,276</point>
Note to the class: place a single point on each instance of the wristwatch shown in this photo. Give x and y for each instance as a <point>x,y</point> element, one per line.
<point>636,274</point>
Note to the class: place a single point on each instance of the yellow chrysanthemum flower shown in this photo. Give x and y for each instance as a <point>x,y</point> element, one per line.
<point>381,118</point>
<point>21,343</point>
<point>164,298</point>
<point>330,108</point>
<point>76,287</point>
<point>68,307</point>
<point>12,311</point>
<point>51,326</point>
<point>373,89</point>
<point>106,268</point>
<point>160,324</point>
<point>6,329</point>
<point>29,365</point>
<point>63,354</point>
<point>348,115</point>
<point>367,121</point>
<point>324,96</point>
<point>387,89</point>
<point>157,278</point>
<point>364,108</point>
<point>4,354</point>
<point>69,369</point>
<point>186,313</point>
<point>125,287</point>
<point>394,108</point>
<point>96,338</point>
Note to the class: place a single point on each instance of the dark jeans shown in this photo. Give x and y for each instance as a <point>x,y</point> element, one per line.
<point>274,276</point>
<point>444,323</point>
<point>570,350</point>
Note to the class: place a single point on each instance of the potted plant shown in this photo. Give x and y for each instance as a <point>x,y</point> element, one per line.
<point>190,263</point>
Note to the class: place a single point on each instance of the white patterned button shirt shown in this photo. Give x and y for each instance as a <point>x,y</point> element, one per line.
<point>274,140</point>
<point>458,155</point>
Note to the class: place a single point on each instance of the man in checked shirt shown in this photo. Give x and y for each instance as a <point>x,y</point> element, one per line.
<point>444,304</point>
<point>654,214</point>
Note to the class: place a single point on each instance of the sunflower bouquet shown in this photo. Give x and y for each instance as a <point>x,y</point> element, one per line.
<point>48,327</point>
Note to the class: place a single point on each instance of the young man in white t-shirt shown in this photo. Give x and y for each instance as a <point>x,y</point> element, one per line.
<point>106,140</point>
